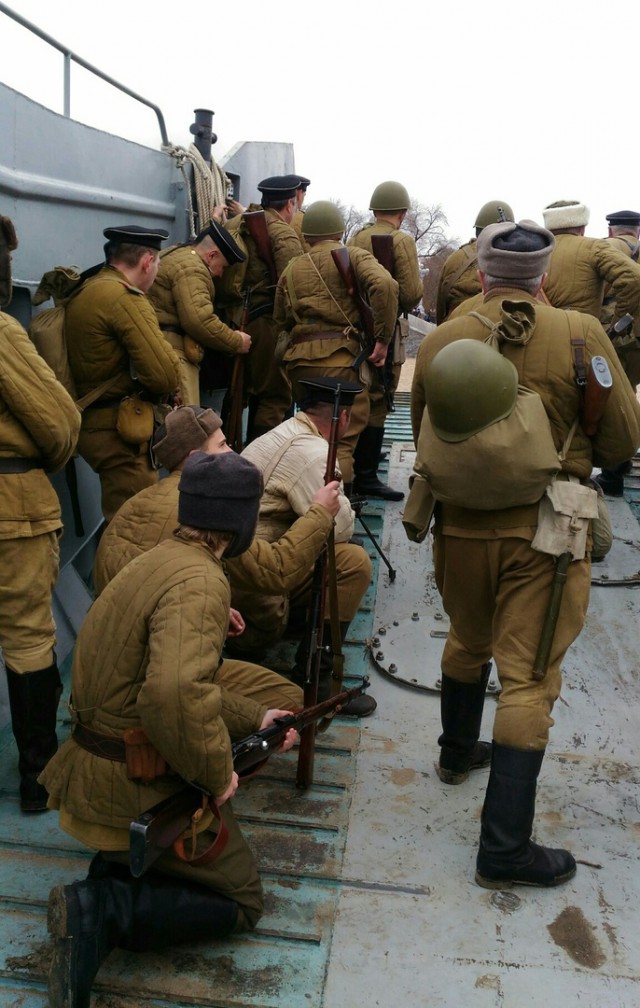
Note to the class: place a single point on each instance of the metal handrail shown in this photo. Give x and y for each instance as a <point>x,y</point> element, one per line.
<point>71,56</point>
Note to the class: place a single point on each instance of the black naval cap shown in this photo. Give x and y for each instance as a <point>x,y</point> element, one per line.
<point>303,182</point>
<point>225,242</point>
<point>323,390</point>
<point>279,187</point>
<point>628,217</point>
<point>133,234</point>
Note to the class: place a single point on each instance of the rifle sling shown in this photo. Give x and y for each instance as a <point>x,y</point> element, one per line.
<point>214,849</point>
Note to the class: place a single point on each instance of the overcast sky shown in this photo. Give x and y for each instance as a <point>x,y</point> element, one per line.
<point>462,101</point>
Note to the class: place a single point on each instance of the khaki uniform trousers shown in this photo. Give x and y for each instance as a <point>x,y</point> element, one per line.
<point>266,381</point>
<point>496,593</point>
<point>123,469</point>
<point>359,418</point>
<point>267,616</point>
<point>29,569</point>
<point>233,873</point>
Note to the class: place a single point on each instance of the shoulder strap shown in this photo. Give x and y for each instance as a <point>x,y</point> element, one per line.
<point>470,257</point>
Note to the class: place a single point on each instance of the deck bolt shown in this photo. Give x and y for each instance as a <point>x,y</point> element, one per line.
<point>393,668</point>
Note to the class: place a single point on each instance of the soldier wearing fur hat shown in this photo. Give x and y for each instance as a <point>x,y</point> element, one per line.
<point>161,680</point>
<point>183,296</point>
<point>389,204</point>
<point>494,583</point>
<point>116,349</point>
<point>459,277</point>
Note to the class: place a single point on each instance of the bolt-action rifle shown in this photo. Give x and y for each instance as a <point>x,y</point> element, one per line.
<point>382,248</point>
<point>315,624</point>
<point>157,829</point>
<point>236,384</point>
<point>597,389</point>
<point>345,268</point>
<point>256,222</point>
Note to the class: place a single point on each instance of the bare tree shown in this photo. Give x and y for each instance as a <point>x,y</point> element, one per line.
<point>354,219</point>
<point>432,265</point>
<point>426,225</point>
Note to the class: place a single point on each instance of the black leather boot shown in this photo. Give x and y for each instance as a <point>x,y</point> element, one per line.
<point>612,480</point>
<point>358,707</point>
<point>34,699</point>
<point>506,855</point>
<point>461,706</point>
<point>366,458</point>
<point>87,920</point>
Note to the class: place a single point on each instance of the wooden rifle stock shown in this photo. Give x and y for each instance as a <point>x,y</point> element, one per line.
<point>256,222</point>
<point>315,626</point>
<point>596,393</point>
<point>157,829</point>
<point>382,248</point>
<point>236,385</point>
<point>345,268</point>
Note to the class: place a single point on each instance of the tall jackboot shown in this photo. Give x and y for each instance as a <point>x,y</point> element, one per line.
<point>110,909</point>
<point>506,855</point>
<point>461,706</point>
<point>358,707</point>
<point>366,459</point>
<point>612,480</point>
<point>34,699</point>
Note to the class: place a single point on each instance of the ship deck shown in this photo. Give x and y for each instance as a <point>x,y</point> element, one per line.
<point>368,875</point>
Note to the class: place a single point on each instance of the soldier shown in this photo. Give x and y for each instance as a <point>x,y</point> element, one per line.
<point>389,204</point>
<point>459,277</point>
<point>39,426</point>
<point>293,460</point>
<point>494,584</point>
<point>624,234</point>
<point>161,681</point>
<point>581,268</point>
<point>267,385</point>
<point>183,297</point>
<point>116,349</point>
<point>324,322</point>
<point>301,195</point>
<point>267,572</point>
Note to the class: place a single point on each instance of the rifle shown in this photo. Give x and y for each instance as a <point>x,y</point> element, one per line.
<point>256,222</point>
<point>236,384</point>
<point>155,830</point>
<point>382,248</point>
<point>597,389</point>
<point>315,624</point>
<point>344,266</point>
<point>619,328</point>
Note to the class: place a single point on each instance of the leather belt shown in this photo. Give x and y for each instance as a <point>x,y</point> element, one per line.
<point>20,465</point>
<point>105,404</point>
<point>108,746</point>
<point>309,337</point>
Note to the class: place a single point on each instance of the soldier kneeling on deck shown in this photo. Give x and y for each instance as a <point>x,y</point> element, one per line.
<point>165,617</point>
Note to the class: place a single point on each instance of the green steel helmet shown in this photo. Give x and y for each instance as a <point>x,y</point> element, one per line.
<point>390,196</point>
<point>322,219</point>
<point>468,387</point>
<point>490,213</point>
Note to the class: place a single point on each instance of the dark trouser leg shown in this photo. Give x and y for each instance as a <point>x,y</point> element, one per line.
<point>366,458</point>
<point>612,480</point>
<point>111,909</point>
<point>461,706</point>
<point>34,699</point>
<point>506,854</point>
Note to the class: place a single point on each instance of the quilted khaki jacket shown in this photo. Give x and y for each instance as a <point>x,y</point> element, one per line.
<point>183,297</point>
<point>312,298</point>
<point>581,267</point>
<point>147,654</point>
<point>406,270</point>
<point>544,364</point>
<point>112,329</point>
<point>38,419</point>
<point>152,515</point>
<point>458,280</point>
<point>285,246</point>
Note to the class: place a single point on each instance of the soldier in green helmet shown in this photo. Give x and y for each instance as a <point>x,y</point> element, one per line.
<point>495,585</point>
<point>459,277</point>
<point>323,320</point>
<point>396,250</point>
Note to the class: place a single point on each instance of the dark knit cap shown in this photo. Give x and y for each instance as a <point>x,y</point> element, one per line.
<point>515,251</point>
<point>184,430</point>
<point>221,493</point>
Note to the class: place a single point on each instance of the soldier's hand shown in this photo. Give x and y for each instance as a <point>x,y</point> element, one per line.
<point>379,355</point>
<point>235,207</point>
<point>246,342</point>
<point>219,214</point>
<point>231,790</point>
<point>329,497</point>
<point>290,738</point>
<point>236,623</point>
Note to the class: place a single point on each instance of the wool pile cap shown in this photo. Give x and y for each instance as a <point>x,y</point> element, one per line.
<point>565,214</point>
<point>279,187</point>
<point>514,251</point>
<point>621,217</point>
<point>224,241</point>
<point>323,390</point>
<point>184,430</point>
<point>221,493</point>
<point>133,234</point>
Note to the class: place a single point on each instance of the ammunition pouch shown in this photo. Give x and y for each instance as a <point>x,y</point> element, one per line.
<point>564,516</point>
<point>135,419</point>
<point>400,334</point>
<point>193,351</point>
<point>144,762</point>
<point>418,510</point>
